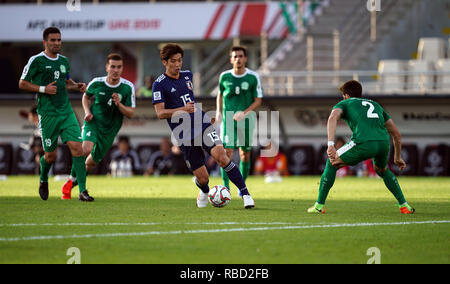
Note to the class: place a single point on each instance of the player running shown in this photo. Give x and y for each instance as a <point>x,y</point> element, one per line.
<point>240,94</point>
<point>47,74</point>
<point>371,127</point>
<point>173,99</point>
<point>114,99</point>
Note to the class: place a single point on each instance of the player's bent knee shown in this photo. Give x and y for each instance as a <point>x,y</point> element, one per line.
<point>50,157</point>
<point>219,154</point>
<point>87,150</point>
<point>380,171</point>
<point>337,164</point>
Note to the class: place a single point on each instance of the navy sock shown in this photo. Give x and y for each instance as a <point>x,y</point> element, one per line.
<point>203,188</point>
<point>236,177</point>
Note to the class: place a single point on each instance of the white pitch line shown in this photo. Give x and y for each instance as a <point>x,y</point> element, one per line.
<point>143,224</point>
<point>179,232</point>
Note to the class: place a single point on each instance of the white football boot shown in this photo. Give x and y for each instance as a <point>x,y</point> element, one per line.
<point>248,201</point>
<point>202,199</point>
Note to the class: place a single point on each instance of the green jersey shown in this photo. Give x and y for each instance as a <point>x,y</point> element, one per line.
<point>365,118</point>
<point>107,116</point>
<point>239,91</point>
<point>41,70</point>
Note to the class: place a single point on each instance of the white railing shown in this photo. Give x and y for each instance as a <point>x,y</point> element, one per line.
<point>295,83</point>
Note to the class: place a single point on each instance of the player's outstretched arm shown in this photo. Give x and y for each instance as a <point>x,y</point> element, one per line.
<point>397,140</point>
<point>71,85</point>
<point>163,113</point>
<point>331,130</point>
<point>50,89</point>
<point>86,102</point>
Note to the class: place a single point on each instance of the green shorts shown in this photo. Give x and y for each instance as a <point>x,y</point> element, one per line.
<point>378,150</point>
<point>102,141</point>
<point>52,127</point>
<point>238,134</point>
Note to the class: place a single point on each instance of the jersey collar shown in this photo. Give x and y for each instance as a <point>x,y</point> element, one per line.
<point>49,58</point>
<point>239,76</point>
<point>112,86</point>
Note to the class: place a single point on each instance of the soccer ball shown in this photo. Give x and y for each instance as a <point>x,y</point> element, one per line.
<point>219,196</point>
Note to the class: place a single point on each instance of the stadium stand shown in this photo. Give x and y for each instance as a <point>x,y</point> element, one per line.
<point>389,82</point>
<point>6,155</point>
<point>442,67</point>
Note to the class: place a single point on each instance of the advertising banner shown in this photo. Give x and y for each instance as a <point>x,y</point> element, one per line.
<point>147,21</point>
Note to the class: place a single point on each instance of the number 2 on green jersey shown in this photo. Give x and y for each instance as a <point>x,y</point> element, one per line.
<point>370,113</point>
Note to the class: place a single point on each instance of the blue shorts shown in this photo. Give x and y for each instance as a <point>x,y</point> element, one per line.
<point>194,154</point>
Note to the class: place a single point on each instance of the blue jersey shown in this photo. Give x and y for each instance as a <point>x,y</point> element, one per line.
<point>176,93</point>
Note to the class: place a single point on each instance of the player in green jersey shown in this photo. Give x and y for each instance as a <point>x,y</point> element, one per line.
<point>371,127</point>
<point>240,94</point>
<point>47,74</point>
<point>114,99</point>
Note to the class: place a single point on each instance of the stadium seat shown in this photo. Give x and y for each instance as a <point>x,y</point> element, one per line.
<point>431,49</point>
<point>410,155</point>
<point>63,163</point>
<point>419,83</point>
<point>435,160</point>
<point>389,83</point>
<point>301,160</point>
<point>442,80</point>
<point>6,153</point>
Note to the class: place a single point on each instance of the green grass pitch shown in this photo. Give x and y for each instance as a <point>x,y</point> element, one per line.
<point>155,220</point>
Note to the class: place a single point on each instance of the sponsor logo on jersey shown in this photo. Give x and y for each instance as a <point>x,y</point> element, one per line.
<point>157,96</point>
<point>101,93</point>
<point>245,85</point>
<point>48,67</point>
<point>173,90</point>
<point>62,68</point>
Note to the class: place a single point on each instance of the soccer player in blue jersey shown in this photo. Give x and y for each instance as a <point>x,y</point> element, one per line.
<point>173,99</point>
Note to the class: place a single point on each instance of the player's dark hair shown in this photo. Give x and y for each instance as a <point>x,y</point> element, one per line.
<point>113,56</point>
<point>238,48</point>
<point>352,88</point>
<point>50,30</point>
<point>124,139</point>
<point>170,49</point>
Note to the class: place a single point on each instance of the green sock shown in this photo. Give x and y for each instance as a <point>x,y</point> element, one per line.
<point>225,179</point>
<point>244,167</point>
<point>326,182</point>
<point>45,168</point>
<point>391,183</point>
<point>80,171</point>
<point>73,173</point>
